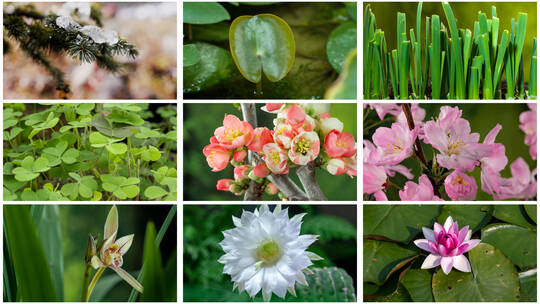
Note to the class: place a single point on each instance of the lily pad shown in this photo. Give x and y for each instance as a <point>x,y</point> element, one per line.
<point>493,279</point>
<point>216,65</point>
<point>398,223</point>
<point>341,41</point>
<point>262,44</point>
<point>514,214</point>
<point>475,216</point>
<point>517,243</point>
<point>217,32</point>
<point>418,284</point>
<point>531,211</point>
<point>191,55</point>
<point>527,280</point>
<point>345,85</point>
<point>381,257</point>
<point>204,12</point>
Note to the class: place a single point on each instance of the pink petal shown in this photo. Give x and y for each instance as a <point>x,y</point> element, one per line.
<point>446,264</point>
<point>462,234</point>
<point>428,234</point>
<point>448,223</point>
<point>471,244</point>
<point>424,245</point>
<point>433,247</point>
<point>437,228</point>
<point>461,263</point>
<point>431,261</point>
<point>442,250</point>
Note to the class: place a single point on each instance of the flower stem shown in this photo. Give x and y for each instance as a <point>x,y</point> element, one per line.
<point>84,294</point>
<point>96,277</point>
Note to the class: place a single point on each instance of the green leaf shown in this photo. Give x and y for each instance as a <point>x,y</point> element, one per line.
<point>380,258</point>
<point>475,216</point>
<point>191,55</point>
<point>23,175</point>
<point>70,190</point>
<point>125,117</point>
<point>345,85</point>
<point>204,12</point>
<point>341,41</point>
<point>154,192</point>
<point>262,44</point>
<point>216,65</point>
<point>150,153</point>
<point>513,214</point>
<point>105,285</point>
<point>70,156</point>
<point>329,228</point>
<point>418,285</point>
<point>40,165</point>
<point>531,211</point>
<point>118,148</point>
<point>98,140</point>
<point>154,275</point>
<point>517,243</point>
<point>48,227</point>
<point>493,279</point>
<point>32,271</point>
<point>527,281</point>
<point>85,108</point>
<point>398,223</point>
<point>106,127</point>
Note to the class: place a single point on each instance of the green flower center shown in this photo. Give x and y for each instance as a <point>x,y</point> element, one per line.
<point>268,252</point>
<point>302,146</point>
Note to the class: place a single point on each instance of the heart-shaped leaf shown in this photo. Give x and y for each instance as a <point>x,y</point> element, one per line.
<point>150,153</point>
<point>70,156</point>
<point>191,55</point>
<point>527,281</point>
<point>493,279</point>
<point>262,44</point>
<point>345,85</point>
<point>107,127</point>
<point>517,243</point>
<point>216,65</point>
<point>85,108</point>
<point>341,41</point>
<point>154,192</point>
<point>30,168</point>
<point>531,211</point>
<point>204,13</point>
<point>120,186</point>
<point>70,190</point>
<point>418,284</point>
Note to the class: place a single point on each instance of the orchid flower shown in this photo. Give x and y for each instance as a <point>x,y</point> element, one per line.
<point>447,244</point>
<point>111,253</point>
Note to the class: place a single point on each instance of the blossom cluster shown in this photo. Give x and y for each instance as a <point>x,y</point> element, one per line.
<point>459,151</point>
<point>295,140</point>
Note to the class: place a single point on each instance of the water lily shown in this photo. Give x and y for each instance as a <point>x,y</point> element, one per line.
<point>111,253</point>
<point>265,251</point>
<point>446,245</point>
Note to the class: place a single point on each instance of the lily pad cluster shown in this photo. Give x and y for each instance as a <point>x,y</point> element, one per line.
<point>225,46</point>
<point>89,152</point>
<point>503,265</point>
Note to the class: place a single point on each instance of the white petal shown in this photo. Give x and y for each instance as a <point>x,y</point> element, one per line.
<point>446,264</point>
<point>236,221</point>
<point>428,234</point>
<point>253,285</point>
<point>312,256</point>
<point>300,278</point>
<point>267,296</point>
<point>448,223</point>
<point>124,243</point>
<point>292,290</point>
<point>111,223</point>
<point>461,263</point>
<point>468,237</point>
<point>431,261</point>
<point>128,278</point>
<point>298,218</point>
<point>96,262</point>
<point>277,209</point>
<point>423,244</point>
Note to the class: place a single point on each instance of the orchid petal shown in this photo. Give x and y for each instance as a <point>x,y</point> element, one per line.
<point>107,243</point>
<point>128,278</point>
<point>431,261</point>
<point>428,234</point>
<point>446,264</point>
<point>111,224</point>
<point>448,223</point>
<point>96,262</point>
<point>461,263</point>
<point>124,243</point>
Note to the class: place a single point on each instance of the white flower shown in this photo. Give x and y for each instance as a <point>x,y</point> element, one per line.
<point>266,252</point>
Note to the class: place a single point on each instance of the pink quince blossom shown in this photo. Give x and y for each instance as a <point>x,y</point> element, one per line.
<point>460,186</point>
<point>528,125</point>
<point>234,133</point>
<point>338,166</point>
<point>224,184</point>
<point>283,135</point>
<point>395,144</point>
<point>304,148</point>
<point>452,136</point>
<point>423,191</point>
<point>295,115</point>
<point>276,158</point>
<point>217,156</point>
<point>261,137</point>
<point>339,144</point>
<point>329,123</point>
<point>241,172</point>
<point>374,181</point>
<point>238,156</point>
<point>446,245</point>
<point>272,107</point>
<point>271,189</point>
<point>261,170</point>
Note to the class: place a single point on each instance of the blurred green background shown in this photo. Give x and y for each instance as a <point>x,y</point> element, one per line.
<point>203,277</point>
<point>466,14</point>
<point>80,220</point>
<point>482,118</point>
<point>200,121</point>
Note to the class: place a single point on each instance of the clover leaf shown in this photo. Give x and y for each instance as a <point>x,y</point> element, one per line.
<point>84,186</point>
<point>120,186</point>
<point>49,123</point>
<point>30,168</point>
<point>99,140</point>
<point>58,154</point>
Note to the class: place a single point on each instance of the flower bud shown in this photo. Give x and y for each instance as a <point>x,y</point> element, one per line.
<point>331,123</point>
<point>460,186</point>
<point>239,156</point>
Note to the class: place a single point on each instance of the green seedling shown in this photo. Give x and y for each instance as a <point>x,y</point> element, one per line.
<point>262,44</point>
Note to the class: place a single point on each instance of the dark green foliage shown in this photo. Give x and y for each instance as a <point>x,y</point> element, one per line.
<point>38,36</point>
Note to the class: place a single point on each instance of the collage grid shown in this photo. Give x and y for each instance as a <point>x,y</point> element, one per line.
<point>381,225</point>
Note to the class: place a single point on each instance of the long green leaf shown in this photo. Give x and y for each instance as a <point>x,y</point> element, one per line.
<point>10,285</point>
<point>532,75</point>
<point>154,275</point>
<point>159,238</point>
<point>456,51</point>
<point>435,50</point>
<point>520,40</point>
<point>497,73</point>
<point>33,276</point>
<point>487,87</point>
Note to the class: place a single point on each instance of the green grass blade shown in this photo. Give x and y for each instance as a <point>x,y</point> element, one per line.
<point>435,50</point>
<point>33,276</point>
<point>404,65</point>
<point>154,275</point>
<point>520,40</point>
<point>426,60</point>
<point>10,284</point>
<point>487,87</point>
<point>501,52</point>
<point>532,75</point>
<point>391,63</point>
<point>159,238</point>
<point>48,226</point>
<point>456,51</point>
<point>417,50</point>
<point>494,35</point>
<point>467,39</point>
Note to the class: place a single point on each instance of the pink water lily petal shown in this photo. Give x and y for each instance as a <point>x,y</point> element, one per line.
<point>428,234</point>
<point>461,263</point>
<point>471,244</point>
<point>446,264</point>
<point>448,223</point>
<point>425,245</point>
<point>462,234</point>
<point>432,260</point>
<point>437,228</point>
